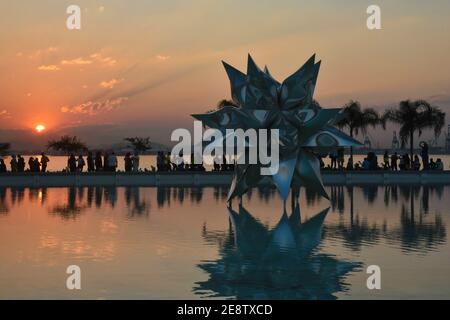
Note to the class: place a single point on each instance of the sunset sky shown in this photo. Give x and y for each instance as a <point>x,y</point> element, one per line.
<point>141,67</point>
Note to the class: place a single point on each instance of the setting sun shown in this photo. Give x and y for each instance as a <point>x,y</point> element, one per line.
<point>40,128</point>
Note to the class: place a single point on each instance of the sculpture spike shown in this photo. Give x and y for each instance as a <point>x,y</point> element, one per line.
<point>252,67</point>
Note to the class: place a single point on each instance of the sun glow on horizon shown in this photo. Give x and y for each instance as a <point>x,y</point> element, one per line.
<point>39,128</point>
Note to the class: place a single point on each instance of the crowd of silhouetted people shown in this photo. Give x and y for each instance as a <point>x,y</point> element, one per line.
<point>393,162</point>
<point>19,164</point>
<point>165,163</point>
<point>108,162</point>
<point>99,162</point>
<point>102,161</point>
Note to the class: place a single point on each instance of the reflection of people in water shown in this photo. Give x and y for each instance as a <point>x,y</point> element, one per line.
<point>136,205</point>
<point>258,263</point>
<point>4,208</point>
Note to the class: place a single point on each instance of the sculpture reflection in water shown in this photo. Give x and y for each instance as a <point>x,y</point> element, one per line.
<point>283,263</point>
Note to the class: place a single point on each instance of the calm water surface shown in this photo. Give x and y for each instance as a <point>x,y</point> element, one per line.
<point>184,243</point>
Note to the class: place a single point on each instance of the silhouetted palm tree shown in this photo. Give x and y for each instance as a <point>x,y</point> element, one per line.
<point>415,116</point>
<point>4,147</point>
<point>357,120</point>
<point>139,144</point>
<point>67,144</point>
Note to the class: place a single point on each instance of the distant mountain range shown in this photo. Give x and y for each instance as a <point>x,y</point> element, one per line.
<point>96,137</point>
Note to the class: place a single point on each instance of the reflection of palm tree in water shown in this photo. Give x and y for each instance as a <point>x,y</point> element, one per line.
<point>415,233</point>
<point>358,231</point>
<point>422,233</point>
<point>77,201</point>
<point>282,263</point>
<point>73,207</point>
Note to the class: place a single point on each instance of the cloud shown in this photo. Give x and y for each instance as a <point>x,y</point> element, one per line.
<point>95,58</point>
<point>77,61</point>
<point>51,67</point>
<point>4,114</point>
<point>161,57</point>
<point>95,107</point>
<point>108,61</point>
<point>41,52</point>
<point>110,84</point>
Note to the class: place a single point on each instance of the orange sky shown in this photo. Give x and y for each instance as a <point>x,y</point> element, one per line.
<point>156,62</point>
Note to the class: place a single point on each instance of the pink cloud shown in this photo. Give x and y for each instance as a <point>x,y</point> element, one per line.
<point>110,84</point>
<point>77,61</point>
<point>51,67</point>
<point>95,107</point>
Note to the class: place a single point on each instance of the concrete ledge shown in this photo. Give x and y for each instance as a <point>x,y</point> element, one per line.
<point>186,179</point>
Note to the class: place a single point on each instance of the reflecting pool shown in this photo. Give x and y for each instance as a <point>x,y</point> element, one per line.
<point>176,243</point>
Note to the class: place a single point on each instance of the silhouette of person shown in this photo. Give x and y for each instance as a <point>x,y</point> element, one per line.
<point>80,163</point>
<point>416,162</point>
<point>340,158</point>
<point>128,162</point>
<point>135,162</point>
<point>20,164</point>
<point>112,162</point>
<point>432,164</point>
<point>72,163</point>
<point>439,164</point>
<point>407,161</point>
<point>13,163</point>
<point>90,162</point>
<point>167,162</point>
<point>37,165</point>
<point>44,161</point>
<point>106,162</point>
<point>394,159</point>
<point>386,159</point>
<point>31,164</point>
<point>98,161</point>
<point>350,165</point>
<point>365,164</point>
<point>333,157</point>
<point>2,166</point>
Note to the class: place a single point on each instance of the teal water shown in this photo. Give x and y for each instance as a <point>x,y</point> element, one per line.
<point>174,243</point>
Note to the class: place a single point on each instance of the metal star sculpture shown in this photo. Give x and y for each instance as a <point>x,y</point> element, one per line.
<point>304,127</point>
